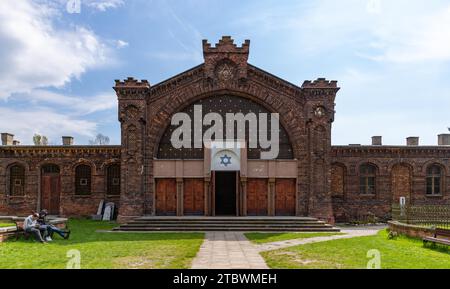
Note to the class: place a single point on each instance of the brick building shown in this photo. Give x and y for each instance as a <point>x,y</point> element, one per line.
<point>147,175</point>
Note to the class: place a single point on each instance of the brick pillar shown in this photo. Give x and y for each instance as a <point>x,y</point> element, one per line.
<point>320,203</point>
<point>244,197</point>
<point>180,194</point>
<point>271,197</point>
<point>132,116</point>
<point>207,189</point>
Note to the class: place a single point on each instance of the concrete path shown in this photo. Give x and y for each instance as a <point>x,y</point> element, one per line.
<point>349,233</point>
<point>232,250</point>
<point>228,250</point>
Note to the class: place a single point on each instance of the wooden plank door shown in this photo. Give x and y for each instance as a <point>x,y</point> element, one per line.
<point>194,197</point>
<point>46,185</point>
<point>55,195</point>
<point>50,193</point>
<point>285,190</point>
<point>257,201</point>
<point>166,197</point>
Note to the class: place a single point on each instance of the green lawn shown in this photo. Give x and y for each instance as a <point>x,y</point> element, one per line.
<point>401,253</point>
<point>3,225</point>
<point>262,238</point>
<point>104,250</point>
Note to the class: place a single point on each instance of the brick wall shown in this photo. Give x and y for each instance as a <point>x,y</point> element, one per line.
<point>66,158</point>
<point>399,170</point>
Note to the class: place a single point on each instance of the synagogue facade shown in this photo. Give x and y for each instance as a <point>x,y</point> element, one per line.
<point>150,175</point>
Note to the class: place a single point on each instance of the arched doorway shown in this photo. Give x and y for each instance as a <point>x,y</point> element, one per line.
<point>223,192</point>
<point>50,188</point>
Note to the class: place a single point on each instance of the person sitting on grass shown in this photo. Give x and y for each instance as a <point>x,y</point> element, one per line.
<point>51,229</point>
<point>31,226</point>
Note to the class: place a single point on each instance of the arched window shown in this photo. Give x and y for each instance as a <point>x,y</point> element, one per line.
<point>434,180</point>
<point>223,104</point>
<point>367,179</point>
<point>17,180</point>
<point>83,180</point>
<point>113,180</point>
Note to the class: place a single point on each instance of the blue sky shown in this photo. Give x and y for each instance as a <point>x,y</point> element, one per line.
<point>391,58</point>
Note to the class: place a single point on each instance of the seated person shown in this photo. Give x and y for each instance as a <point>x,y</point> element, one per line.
<point>31,226</point>
<point>51,229</point>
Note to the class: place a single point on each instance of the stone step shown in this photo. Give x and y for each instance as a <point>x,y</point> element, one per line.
<point>245,229</point>
<point>224,222</point>
<point>181,224</point>
<point>250,224</point>
<point>227,219</point>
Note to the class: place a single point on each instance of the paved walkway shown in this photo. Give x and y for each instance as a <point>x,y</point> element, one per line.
<point>228,250</point>
<point>232,250</point>
<point>349,233</point>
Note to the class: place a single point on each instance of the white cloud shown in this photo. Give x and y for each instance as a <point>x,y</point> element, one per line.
<point>35,53</point>
<point>54,114</point>
<point>121,44</point>
<point>398,31</point>
<point>25,123</point>
<point>104,5</point>
<point>426,37</point>
<point>77,105</point>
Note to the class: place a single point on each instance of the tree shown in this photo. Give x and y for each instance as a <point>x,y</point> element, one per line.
<point>40,140</point>
<point>100,139</point>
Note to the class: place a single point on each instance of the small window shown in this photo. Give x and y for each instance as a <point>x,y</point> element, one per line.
<point>113,180</point>
<point>434,180</point>
<point>83,180</point>
<point>367,179</point>
<point>17,180</point>
<point>116,182</point>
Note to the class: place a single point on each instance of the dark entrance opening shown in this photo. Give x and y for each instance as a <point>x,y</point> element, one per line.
<point>225,198</point>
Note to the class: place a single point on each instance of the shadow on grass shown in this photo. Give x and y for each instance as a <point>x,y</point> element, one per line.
<point>431,246</point>
<point>438,248</point>
<point>85,231</point>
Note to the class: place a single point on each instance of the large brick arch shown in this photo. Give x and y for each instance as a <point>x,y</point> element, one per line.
<point>158,126</point>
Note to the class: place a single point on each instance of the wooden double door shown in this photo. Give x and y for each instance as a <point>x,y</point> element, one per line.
<point>166,197</point>
<point>193,197</point>
<point>285,200</point>
<point>257,197</point>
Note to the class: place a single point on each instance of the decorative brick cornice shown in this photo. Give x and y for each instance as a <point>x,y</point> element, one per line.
<point>132,88</point>
<point>226,45</point>
<point>267,79</point>
<point>185,78</point>
<point>320,83</point>
<point>321,86</point>
<point>58,151</point>
<point>391,151</point>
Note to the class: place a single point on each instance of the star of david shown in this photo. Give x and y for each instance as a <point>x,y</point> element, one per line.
<point>225,160</point>
<point>225,72</point>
